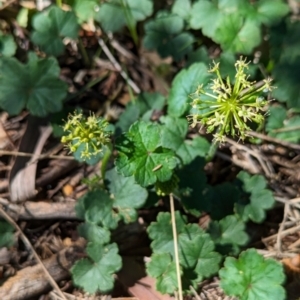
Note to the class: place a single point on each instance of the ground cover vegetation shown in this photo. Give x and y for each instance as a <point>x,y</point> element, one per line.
<point>164,136</point>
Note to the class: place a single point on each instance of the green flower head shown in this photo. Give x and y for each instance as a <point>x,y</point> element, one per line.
<point>88,133</point>
<point>227,109</point>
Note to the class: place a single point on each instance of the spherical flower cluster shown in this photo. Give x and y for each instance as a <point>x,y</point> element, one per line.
<point>226,108</point>
<point>89,134</point>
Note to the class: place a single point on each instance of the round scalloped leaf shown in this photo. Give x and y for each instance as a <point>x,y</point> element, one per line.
<point>283,127</point>
<point>127,195</point>
<point>238,35</point>
<point>97,272</point>
<point>115,14</point>
<point>183,85</point>
<point>94,233</point>
<point>163,269</point>
<point>230,230</point>
<point>99,209</point>
<point>85,9</point>
<point>51,26</point>
<point>141,154</point>
<point>161,232</point>
<point>252,277</point>
<point>165,34</point>
<point>7,45</point>
<point>260,200</point>
<point>35,85</point>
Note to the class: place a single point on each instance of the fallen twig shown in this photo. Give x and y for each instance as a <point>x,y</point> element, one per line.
<point>118,67</point>
<point>29,246</point>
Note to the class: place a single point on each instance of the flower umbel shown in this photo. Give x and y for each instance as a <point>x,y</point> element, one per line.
<point>226,108</point>
<point>88,133</point>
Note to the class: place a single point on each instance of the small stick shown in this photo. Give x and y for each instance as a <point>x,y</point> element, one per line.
<point>195,293</point>
<point>118,67</point>
<point>274,140</point>
<point>42,156</point>
<point>176,247</point>
<point>29,246</point>
<point>7,4</point>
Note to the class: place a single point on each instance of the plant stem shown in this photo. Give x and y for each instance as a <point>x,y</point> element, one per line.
<point>176,247</point>
<point>29,246</point>
<point>59,3</point>
<point>85,56</point>
<point>105,160</point>
<point>130,21</point>
<point>212,151</point>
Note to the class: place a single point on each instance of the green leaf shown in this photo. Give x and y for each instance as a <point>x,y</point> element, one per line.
<point>8,46</point>
<point>161,232</point>
<point>126,194</point>
<point>196,249</point>
<point>221,199</point>
<point>99,209</point>
<point>144,106</point>
<point>6,234</point>
<point>191,149</point>
<point>107,210</point>
<point>236,24</point>
<point>35,86</point>
<point>51,26</point>
<point>230,230</point>
<point>271,11</point>
<point>199,55</point>
<point>238,35</point>
<point>251,277</point>
<point>205,15</point>
<point>173,137</point>
<point>185,83</point>
<point>115,14</point>
<point>182,8</point>
<point>286,77</point>
<point>141,154</point>
<point>193,187</point>
<point>173,132</point>
<point>163,269</point>
<point>85,9</point>
<point>96,273</point>
<point>260,200</point>
<point>282,127</point>
<point>198,254</point>
<point>164,34</point>
<point>284,42</point>
<point>94,233</point>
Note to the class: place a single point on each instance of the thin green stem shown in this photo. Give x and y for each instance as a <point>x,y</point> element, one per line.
<point>105,160</point>
<point>59,3</point>
<point>85,56</point>
<point>85,88</point>
<point>130,21</point>
<point>176,247</point>
<point>212,151</point>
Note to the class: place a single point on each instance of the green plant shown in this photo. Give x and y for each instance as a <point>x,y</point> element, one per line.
<point>35,85</point>
<point>6,234</point>
<point>123,12</point>
<point>248,276</point>
<point>51,26</point>
<point>151,153</point>
<point>158,154</point>
<point>228,107</point>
